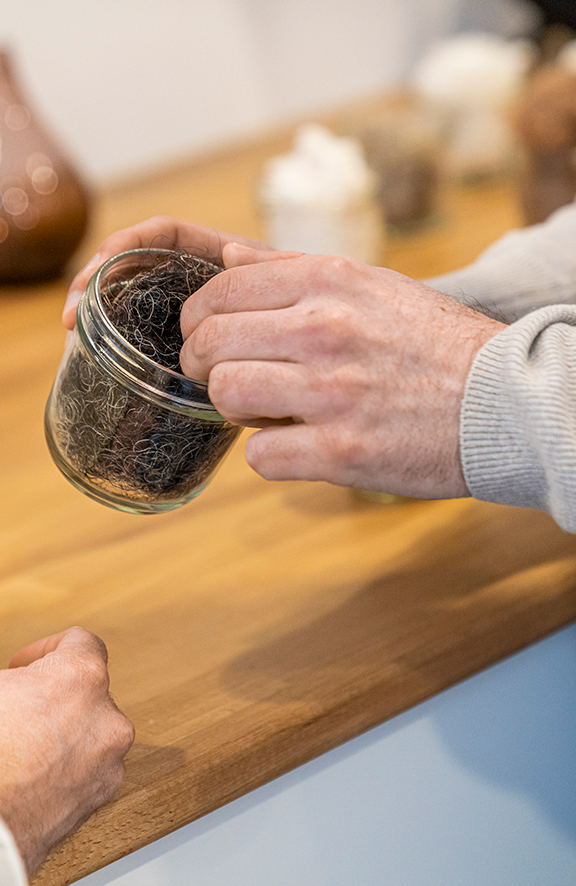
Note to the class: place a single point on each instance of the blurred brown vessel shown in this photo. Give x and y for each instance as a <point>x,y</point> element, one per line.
<point>43,202</point>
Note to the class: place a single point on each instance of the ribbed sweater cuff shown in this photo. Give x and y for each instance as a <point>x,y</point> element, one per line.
<point>518,418</point>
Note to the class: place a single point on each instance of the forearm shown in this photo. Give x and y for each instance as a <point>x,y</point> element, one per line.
<point>518,419</point>
<point>524,270</point>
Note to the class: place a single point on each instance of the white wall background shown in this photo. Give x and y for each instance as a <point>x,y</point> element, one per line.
<point>129,84</point>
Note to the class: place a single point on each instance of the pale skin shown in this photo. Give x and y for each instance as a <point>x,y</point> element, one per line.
<point>354,374</point>
<point>62,740</point>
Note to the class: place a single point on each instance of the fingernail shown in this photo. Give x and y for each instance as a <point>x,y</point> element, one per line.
<point>232,254</point>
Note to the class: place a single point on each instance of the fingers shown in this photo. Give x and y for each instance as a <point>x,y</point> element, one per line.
<point>298,452</point>
<point>159,231</point>
<point>263,285</point>
<point>35,651</point>
<point>78,659</point>
<point>280,336</point>
<point>253,393</point>
<point>63,739</point>
<point>74,641</point>
<point>236,254</point>
<point>282,453</point>
<point>246,392</point>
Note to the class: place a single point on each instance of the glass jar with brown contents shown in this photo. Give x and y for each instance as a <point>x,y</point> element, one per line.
<point>123,424</point>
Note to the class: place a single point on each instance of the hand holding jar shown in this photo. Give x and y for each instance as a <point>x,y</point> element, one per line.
<point>354,373</point>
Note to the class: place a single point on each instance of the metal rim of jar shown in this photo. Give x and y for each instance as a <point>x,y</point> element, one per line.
<point>126,363</point>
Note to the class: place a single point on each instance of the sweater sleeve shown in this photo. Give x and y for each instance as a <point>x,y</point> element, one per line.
<point>11,867</point>
<point>518,418</point>
<point>524,270</point>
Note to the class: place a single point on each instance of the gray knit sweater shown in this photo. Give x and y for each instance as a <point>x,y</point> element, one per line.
<point>518,419</point>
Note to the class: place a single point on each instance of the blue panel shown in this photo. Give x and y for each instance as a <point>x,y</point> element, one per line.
<point>475,787</point>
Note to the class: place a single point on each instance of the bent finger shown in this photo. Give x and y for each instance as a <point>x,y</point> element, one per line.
<point>236,254</point>
<point>75,640</point>
<point>253,393</point>
<point>279,336</point>
<point>294,452</point>
<point>255,286</point>
<point>158,231</point>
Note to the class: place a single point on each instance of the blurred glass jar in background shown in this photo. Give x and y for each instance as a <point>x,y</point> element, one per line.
<point>403,146</point>
<point>471,80</point>
<point>321,198</point>
<point>545,122</point>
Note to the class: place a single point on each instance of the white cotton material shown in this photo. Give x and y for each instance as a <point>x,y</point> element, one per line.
<point>472,68</point>
<point>470,80</point>
<point>11,867</point>
<point>322,170</point>
<point>319,198</point>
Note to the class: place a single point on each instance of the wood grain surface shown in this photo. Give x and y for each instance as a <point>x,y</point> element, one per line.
<point>264,623</point>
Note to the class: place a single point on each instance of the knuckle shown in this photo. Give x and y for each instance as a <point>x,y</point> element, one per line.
<point>331,331</point>
<point>94,672</point>
<point>116,736</point>
<point>125,733</point>
<point>205,339</point>
<point>343,265</point>
<point>98,645</point>
<point>333,392</point>
<point>344,448</point>
<point>227,290</point>
<point>334,269</point>
<point>226,391</point>
<point>86,664</point>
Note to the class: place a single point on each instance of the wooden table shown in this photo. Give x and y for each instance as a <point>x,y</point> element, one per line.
<point>264,623</point>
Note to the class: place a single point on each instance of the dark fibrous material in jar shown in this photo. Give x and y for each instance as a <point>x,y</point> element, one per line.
<point>117,438</point>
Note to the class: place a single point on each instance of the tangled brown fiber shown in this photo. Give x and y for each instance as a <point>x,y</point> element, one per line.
<point>122,441</point>
<point>146,308</point>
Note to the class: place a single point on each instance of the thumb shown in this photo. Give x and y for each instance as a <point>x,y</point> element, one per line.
<point>74,641</point>
<point>236,254</point>
<point>35,650</point>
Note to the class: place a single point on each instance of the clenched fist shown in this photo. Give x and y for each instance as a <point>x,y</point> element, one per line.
<point>62,740</point>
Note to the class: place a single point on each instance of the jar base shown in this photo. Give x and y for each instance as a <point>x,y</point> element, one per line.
<point>109,499</point>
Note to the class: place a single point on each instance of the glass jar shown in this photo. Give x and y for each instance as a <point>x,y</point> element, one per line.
<point>402,143</point>
<point>320,198</point>
<point>354,228</point>
<point>123,429</point>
